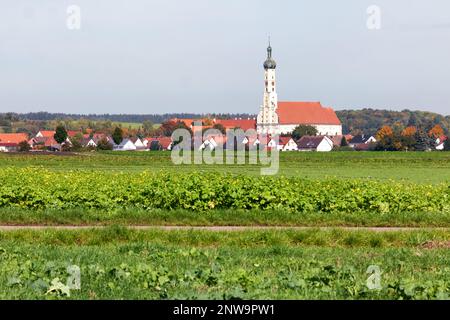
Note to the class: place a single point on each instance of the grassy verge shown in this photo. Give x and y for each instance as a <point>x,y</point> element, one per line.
<point>14,216</point>
<point>247,238</point>
<point>119,263</point>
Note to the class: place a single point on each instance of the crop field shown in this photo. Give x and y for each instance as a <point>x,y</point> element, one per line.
<point>325,212</point>
<point>426,167</point>
<point>118,263</point>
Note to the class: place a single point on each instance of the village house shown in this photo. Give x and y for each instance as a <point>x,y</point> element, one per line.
<point>287,144</point>
<point>440,143</point>
<point>9,142</point>
<point>315,143</point>
<point>361,142</point>
<point>138,143</point>
<point>159,143</point>
<point>125,145</point>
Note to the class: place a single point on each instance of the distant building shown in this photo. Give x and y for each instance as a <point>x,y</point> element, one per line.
<point>276,117</point>
<point>125,145</point>
<point>360,141</point>
<point>440,143</point>
<point>315,143</point>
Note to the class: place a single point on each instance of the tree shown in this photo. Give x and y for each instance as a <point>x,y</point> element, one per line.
<point>168,127</point>
<point>77,142</point>
<point>104,144</point>
<point>447,145</point>
<point>409,131</point>
<point>220,127</point>
<point>24,146</point>
<point>60,134</point>
<point>423,141</point>
<point>387,140</point>
<point>147,127</point>
<point>303,130</point>
<point>436,132</point>
<point>408,137</point>
<point>117,135</point>
<point>344,142</point>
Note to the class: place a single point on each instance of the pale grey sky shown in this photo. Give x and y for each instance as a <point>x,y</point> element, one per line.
<point>158,56</point>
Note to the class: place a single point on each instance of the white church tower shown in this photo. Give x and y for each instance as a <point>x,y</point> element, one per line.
<point>267,118</point>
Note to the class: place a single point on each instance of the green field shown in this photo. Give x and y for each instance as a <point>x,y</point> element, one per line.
<point>331,191</point>
<point>425,167</point>
<point>117,263</point>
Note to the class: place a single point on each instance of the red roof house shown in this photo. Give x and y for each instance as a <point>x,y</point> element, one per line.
<point>307,113</point>
<point>13,137</point>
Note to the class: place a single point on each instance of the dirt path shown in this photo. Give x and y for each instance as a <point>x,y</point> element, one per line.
<point>222,228</point>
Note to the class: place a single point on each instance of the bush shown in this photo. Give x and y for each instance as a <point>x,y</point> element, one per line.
<point>24,146</point>
<point>104,144</point>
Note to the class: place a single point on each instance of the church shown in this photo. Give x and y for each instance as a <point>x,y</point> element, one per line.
<point>280,117</point>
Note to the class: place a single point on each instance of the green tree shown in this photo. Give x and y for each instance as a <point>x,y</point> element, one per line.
<point>447,145</point>
<point>423,141</point>
<point>104,144</point>
<point>344,142</point>
<point>24,146</point>
<point>303,130</point>
<point>77,142</point>
<point>147,126</point>
<point>60,134</point>
<point>117,135</point>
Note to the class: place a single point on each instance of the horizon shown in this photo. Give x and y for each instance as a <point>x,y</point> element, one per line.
<point>205,114</point>
<point>201,57</point>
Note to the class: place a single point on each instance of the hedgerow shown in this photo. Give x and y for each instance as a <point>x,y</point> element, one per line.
<point>34,188</point>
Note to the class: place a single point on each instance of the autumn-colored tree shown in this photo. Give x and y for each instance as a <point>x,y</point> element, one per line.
<point>436,132</point>
<point>384,132</point>
<point>168,127</point>
<point>388,140</point>
<point>409,131</point>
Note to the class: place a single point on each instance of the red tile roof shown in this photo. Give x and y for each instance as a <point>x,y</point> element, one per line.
<point>13,137</point>
<point>50,142</point>
<point>284,141</point>
<point>308,113</point>
<point>244,124</point>
<point>163,141</point>
<point>72,133</point>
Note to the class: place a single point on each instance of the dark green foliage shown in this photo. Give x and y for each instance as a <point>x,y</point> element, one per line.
<point>24,146</point>
<point>60,134</point>
<point>36,189</point>
<point>302,130</point>
<point>344,142</point>
<point>155,146</point>
<point>77,142</point>
<point>447,145</point>
<point>422,141</point>
<point>117,135</point>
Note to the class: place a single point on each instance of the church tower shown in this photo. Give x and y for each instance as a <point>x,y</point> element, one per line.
<point>267,118</point>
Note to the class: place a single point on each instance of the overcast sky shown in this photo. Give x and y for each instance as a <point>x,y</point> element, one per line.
<point>158,56</point>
